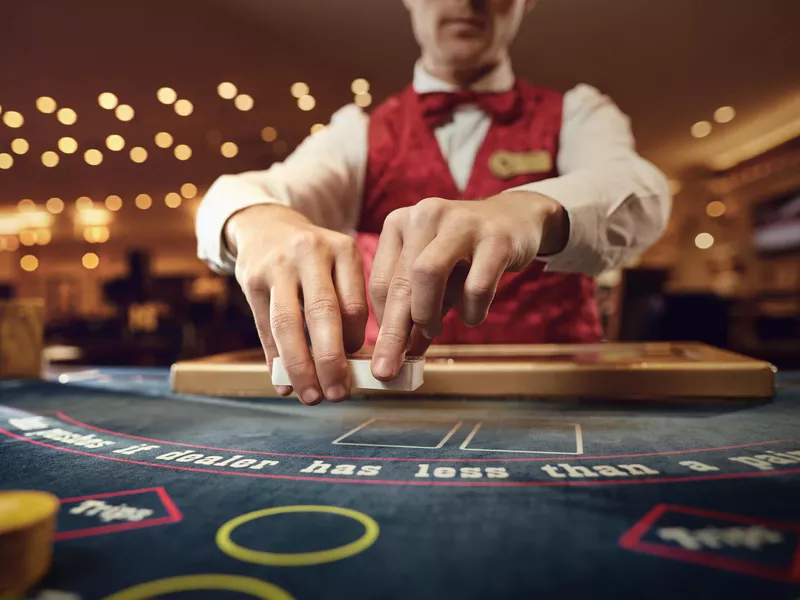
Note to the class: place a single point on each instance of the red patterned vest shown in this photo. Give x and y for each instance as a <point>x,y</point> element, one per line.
<point>406,165</point>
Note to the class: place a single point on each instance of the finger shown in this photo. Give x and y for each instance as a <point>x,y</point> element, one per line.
<point>257,295</point>
<point>393,335</point>
<point>348,278</point>
<point>324,323</point>
<point>432,273</point>
<point>286,324</point>
<point>418,344</point>
<point>488,265</point>
<point>390,246</point>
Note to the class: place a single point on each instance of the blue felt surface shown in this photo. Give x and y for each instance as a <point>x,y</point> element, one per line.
<point>473,499</point>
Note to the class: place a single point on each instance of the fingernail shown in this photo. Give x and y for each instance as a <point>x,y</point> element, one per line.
<point>283,390</point>
<point>336,393</point>
<point>310,396</point>
<point>383,368</point>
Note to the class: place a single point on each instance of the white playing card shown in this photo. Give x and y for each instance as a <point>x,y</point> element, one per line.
<point>408,380</point>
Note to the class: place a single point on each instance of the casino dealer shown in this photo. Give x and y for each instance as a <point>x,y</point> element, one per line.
<point>470,207</point>
<point>27,525</point>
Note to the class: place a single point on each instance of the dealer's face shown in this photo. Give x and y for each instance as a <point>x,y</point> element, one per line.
<point>465,34</point>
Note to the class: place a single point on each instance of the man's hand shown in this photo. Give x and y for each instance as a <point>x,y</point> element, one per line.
<point>289,268</point>
<point>440,254</point>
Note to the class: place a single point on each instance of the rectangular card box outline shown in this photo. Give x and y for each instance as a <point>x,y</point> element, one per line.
<point>338,441</point>
<point>576,427</point>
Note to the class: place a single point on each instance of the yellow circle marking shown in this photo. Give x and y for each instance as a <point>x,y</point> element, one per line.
<point>298,559</point>
<point>232,583</point>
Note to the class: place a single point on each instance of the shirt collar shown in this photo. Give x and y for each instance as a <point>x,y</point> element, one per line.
<point>501,79</point>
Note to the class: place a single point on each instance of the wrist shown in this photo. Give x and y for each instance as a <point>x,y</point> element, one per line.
<point>241,223</point>
<point>543,215</point>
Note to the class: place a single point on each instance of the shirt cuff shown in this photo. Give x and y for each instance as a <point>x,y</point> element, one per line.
<point>583,251</point>
<point>226,197</point>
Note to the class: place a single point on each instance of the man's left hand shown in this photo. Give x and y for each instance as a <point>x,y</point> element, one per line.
<point>440,254</point>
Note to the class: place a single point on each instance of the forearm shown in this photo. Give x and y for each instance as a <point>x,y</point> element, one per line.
<point>613,214</point>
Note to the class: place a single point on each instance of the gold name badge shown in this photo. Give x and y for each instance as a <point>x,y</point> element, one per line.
<point>506,164</point>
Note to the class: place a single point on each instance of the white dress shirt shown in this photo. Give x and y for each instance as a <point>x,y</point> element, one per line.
<point>618,203</point>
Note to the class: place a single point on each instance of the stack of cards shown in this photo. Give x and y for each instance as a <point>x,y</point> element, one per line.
<point>409,379</point>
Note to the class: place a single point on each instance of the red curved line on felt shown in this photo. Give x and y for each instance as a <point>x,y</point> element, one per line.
<point>420,483</point>
<point>69,419</point>
<point>90,531</point>
<point>710,560</point>
<point>110,494</point>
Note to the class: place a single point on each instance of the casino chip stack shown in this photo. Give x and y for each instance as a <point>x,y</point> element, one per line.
<point>27,524</point>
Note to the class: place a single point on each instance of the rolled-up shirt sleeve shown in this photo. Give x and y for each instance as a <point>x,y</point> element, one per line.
<point>323,179</point>
<point>617,202</point>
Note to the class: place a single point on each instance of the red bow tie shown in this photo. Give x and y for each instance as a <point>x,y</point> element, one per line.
<point>437,107</point>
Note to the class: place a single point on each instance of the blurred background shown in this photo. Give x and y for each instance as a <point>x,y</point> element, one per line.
<point>115,117</point>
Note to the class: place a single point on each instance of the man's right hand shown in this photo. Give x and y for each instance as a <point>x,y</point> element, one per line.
<point>289,269</point>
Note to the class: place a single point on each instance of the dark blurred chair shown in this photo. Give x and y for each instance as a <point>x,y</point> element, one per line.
<point>695,317</point>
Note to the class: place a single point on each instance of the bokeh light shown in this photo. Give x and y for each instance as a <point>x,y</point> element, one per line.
<point>115,142</point>
<point>138,154</point>
<point>359,86</point>
<point>67,116</point>
<point>107,100</point>
<point>90,260</point>
<point>306,102</point>
<point>20,146</point>
<point>113,203</point>
<point>701,129</point>
<point>50,159</point>
<point>183,152</point>
<point>124,112</point>
<point>29,263</point>
<point>13,119</point>
<point>163,139</point>
<point>243,102</point>
<point>184,108</point>
<point>54,206</point>
<point>229,149</point>
<point>363,100</point>
<point>68,145</point>
<point>715,208</point>
<point>84,203</point>
<point>704,241</point>
<point>143,201</point>
<point>269,134</point>
<point>173,200</point>
<point>46,105</point>
<point>724,114</point>
<point>188,190</point>
<point>227,90</point>
<point>300,89</point>
<point>93,157</point>
<point>166,95</point>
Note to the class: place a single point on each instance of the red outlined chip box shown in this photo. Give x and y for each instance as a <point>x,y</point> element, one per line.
<point>788,571</point>
<point>165,512</point>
